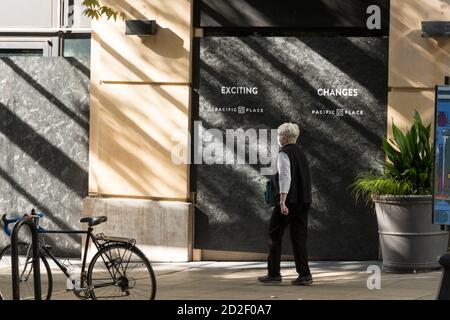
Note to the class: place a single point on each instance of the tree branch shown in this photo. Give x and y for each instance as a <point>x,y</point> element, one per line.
<point>95,10</point>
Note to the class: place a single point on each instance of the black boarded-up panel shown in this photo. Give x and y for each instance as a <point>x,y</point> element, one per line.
<point>288,71</point>
<point>288,13</point>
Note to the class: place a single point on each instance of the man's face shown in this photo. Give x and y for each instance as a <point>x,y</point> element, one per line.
<point>281,140</point>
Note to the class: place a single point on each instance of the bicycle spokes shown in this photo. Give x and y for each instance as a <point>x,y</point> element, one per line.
<point>26,280</point>
<point>121,272</point>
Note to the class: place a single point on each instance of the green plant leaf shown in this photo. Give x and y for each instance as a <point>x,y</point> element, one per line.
<point>399,138</point>
<point>407,169</point>
<point>389,150</point>
<point>95,10</point>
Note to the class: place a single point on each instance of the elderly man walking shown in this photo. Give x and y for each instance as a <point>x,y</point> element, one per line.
<point>292,201</point>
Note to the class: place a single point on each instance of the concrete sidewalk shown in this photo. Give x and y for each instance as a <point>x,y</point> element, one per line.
<point>237,280</point>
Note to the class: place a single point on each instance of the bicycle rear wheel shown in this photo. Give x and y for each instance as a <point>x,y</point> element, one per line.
<point>121,271</point>
<point>25,274</point>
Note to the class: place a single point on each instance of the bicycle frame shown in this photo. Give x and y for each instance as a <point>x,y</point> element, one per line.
<point>89,237</point>
<point>62,267</point>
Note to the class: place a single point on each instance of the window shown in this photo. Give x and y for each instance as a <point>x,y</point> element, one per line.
<point>77,46</point>
<point>21,52</point>
<point>28,46</point>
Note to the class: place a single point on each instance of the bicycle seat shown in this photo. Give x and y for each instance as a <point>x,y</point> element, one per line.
<point>93,221</point>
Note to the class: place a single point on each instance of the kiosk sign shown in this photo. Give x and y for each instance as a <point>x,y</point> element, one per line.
<point>441,179</point>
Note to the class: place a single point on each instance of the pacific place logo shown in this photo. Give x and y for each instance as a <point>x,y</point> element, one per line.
<point>337,112</point>
<point>242,110</point>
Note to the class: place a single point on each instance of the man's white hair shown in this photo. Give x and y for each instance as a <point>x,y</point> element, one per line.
<point>289,130</point>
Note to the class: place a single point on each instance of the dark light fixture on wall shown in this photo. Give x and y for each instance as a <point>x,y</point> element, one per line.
<point>435,29</point>
<point>140,27</point>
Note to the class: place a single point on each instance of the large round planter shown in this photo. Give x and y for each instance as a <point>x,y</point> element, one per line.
<point>409,240</point>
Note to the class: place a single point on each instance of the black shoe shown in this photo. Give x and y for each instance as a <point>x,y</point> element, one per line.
<point>270,279</point>
<point>302,281</point>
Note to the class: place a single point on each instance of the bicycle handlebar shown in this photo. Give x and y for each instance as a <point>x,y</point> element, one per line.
<point>6,222</point>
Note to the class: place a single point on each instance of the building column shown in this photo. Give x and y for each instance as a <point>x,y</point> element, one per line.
<point>140,94</point>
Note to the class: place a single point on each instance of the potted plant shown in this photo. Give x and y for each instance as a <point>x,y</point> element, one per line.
<point>403,202</point>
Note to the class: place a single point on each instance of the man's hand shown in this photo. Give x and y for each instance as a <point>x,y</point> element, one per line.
<point>284,209</point>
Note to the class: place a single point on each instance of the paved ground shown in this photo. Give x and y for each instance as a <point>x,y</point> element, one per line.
<point>236,280</point>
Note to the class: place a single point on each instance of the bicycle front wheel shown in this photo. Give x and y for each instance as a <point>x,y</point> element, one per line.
<point>122,272</point>
<point>26,280</point>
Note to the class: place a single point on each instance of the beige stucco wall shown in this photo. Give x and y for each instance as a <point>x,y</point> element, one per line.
<point>140,102</point>
<point>416,64</point>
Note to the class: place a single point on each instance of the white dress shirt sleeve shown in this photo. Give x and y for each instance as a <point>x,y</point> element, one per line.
<point>284,172</point>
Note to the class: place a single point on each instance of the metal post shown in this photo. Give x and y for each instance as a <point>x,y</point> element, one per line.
<point>15,259</point>
<point>444,288</point>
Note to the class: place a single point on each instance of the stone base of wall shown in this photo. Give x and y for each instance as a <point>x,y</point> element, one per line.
<point>163,229</point>
<point>217,255</point>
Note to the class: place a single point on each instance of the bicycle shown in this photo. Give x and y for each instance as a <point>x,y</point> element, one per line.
<point>118,270</point>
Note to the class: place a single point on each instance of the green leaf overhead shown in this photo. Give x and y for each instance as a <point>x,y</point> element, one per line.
<point>95,10</point>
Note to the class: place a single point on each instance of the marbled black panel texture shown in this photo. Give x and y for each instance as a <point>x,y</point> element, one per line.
<point>288,13</point>
<point>288,71</point>
<point>44,126</point>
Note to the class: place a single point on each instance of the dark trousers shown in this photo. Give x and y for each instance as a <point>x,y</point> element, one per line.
<point>297,219</point>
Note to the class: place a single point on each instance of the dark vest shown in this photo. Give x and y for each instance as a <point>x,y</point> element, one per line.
<point>300,189</point>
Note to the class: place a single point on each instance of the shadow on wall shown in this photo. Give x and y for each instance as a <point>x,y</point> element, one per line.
<point>51,97</point>
<point>139,131</point>
<point>49,157</point>
<point>170,47</point>
<point>44,105</point>
<point>74,62</point>
<point>139,134</point>
<point>167,43</point>
<point>142,76</point>
<point>39,207</point>
<point>133,141</point>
